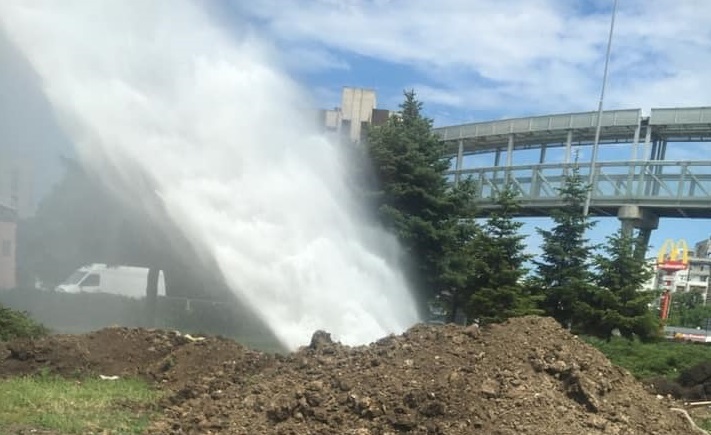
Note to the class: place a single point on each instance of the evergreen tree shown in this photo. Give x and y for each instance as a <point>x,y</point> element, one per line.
<point>563,273</point>
<point>417,202</point>
<point>460,246</point>
<point>617,302</point>
<point>499,262</point>
<point>65,232</point>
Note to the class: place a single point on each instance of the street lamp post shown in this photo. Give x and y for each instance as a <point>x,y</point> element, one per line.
<point>596,143</point>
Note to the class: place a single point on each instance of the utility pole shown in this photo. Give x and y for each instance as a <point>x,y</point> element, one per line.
<point>596,143</point>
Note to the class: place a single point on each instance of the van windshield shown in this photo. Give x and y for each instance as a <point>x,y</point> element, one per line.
<point>75,277</point>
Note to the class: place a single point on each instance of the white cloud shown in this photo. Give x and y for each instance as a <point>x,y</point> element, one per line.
<point>519,56</point>
<point>312,59</point>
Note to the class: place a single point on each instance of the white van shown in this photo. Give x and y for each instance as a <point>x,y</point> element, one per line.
<point>119,280</point>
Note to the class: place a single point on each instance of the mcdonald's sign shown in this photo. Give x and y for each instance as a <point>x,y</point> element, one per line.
<point>673,255</point>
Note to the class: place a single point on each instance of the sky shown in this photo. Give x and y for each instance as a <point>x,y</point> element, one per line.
<point>480,60</point>
<point>468,61</point>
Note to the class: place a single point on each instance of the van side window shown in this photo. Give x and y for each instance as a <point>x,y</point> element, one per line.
<point>91,281</point>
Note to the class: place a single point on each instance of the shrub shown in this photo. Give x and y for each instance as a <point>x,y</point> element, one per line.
<point>17,324</point>
<point>649,360</point>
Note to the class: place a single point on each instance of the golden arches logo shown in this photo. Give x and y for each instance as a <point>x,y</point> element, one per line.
<point>673,255</point>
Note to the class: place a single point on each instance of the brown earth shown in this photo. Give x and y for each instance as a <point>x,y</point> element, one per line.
<point>526,376</point>
<point>692,384</point>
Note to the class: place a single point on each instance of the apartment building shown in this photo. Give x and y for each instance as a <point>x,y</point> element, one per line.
<point>8,238</point>
<point>693,279</point>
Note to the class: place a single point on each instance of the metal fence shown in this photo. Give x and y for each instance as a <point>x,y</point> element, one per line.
<point>675,183</point>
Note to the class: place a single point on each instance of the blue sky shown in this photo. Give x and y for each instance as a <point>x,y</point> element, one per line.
<point>476,60</point>
<point>468,60</point>
<point>483,59</point>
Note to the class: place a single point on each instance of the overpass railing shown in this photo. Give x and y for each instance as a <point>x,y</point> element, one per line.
<point>653,182</point>
<point>545,123</point>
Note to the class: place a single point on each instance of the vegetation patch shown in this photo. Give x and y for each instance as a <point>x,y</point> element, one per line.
<point>17,324</point>
<point>72,407</point>
<point>648,360</point>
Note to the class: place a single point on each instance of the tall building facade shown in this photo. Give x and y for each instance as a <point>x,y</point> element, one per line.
<point>8,239</point>
<point>17,185</point>
<point>356,112</point>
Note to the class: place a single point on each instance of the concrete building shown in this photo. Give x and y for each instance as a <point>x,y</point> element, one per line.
<point>8,238</point>
<point>17,185</point>
<point>693,279</point>
<point>357,111</point>
<point>702,249</point>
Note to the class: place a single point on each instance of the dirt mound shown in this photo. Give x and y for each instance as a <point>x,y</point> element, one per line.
<point>110,351</point>
<point>525,376</point>
<point>692,384</point>
<point>165,356</point>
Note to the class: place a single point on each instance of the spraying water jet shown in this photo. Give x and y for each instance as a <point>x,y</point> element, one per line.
<point>236,166</point>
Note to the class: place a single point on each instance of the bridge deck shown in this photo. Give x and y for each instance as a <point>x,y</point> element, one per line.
<point>666,188</point>
<point>618,126</point>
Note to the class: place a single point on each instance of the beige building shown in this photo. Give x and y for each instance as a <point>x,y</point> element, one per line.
<point>357,111</point>
<point>8,237</point>
<point>17,185</point>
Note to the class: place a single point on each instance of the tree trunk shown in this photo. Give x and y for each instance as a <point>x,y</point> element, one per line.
<point>452,315</point>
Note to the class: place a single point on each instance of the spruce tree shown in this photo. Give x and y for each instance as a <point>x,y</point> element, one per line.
<point>499,262</point>
<point>416,201</point>
<point>563,271</point>
<point>616,302</point>
<point>460,238</point>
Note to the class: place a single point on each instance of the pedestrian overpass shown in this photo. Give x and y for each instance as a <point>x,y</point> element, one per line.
<point>631,178</point>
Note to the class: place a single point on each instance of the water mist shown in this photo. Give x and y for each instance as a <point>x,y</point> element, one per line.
<point>225,139</point>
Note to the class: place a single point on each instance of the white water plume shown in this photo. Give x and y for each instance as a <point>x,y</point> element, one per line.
<point>224,137</point>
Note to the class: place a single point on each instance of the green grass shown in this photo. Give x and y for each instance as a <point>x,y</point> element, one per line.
<point>74,407</point>
<point>646,360</point>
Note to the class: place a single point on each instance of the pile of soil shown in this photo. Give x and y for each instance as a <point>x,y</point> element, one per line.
<point>526,376</point>
<point>692,384</point>
<point>167,357</point>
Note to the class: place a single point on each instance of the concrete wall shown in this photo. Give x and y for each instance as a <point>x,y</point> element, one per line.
<point>8,273</point>
<point>332,119</point>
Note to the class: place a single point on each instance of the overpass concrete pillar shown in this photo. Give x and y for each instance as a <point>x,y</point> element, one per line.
<point>640,251</point>
<point>460,162</point>
<point>634,216</point>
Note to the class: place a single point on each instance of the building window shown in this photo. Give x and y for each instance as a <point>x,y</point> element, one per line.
<point>6,250</point>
